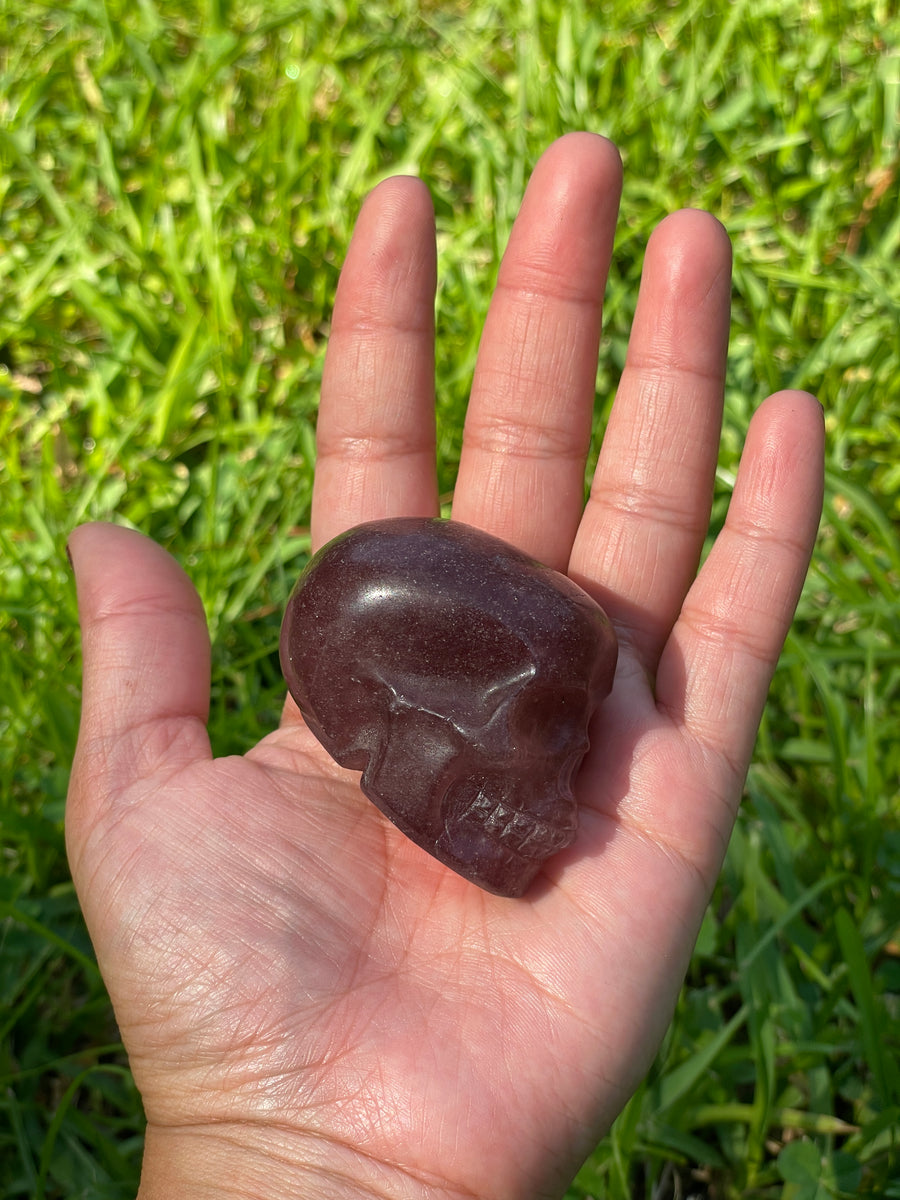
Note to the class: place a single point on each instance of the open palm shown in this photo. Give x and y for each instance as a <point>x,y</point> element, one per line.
<point>312,1005</point>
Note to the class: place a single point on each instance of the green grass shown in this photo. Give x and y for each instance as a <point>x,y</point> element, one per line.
<point>177,188</point>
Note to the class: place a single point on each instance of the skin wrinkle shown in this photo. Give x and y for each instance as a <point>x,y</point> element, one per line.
<point>604,1001</point>
<point>533,490</point>
<point>653,427</point>
<point>534,294</point>
<point>365,480</point>
<point>542,374</point>
<point>263,864</point>
<point>156,741</point>
<point>233,1135</point>
<point>371,449</point>
<point>716,282</point>
<point>524,440</point>
<point>534,496</point>
<point>639,628</point>
<point>679,854</point>
<point>400,309</point>
<point>542,371</point>
<point>723,619</point>
<point>152,607</point>
<point>698,721</point>
<point>368,352</point>
<point>758,531</point>
<point>384,317</point>
<point>372,373</point>
<point>365,1106</point>
<point>682,487</point>
<point>663,373</point>
<point>244,1086</point>
<point>655,748</point>
<point>539,278</point>
<point>379,369</point>
<point>117,882</point>
<point>575,204</point>
<point>161,741</point>
<point>534,438</point>
<point>652,505</point>
<point>112,627</point>
<point>555,1003</point>
<point>734,642</point>
<point>507,971</point>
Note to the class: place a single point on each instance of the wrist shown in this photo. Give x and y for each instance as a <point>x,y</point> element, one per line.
<point>237,1163</point>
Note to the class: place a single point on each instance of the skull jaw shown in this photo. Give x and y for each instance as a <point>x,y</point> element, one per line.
<point>472,853</point>
<point>480,833</point>
<point>495,828</point>
<point>466,847</point>
<point>496,843</point>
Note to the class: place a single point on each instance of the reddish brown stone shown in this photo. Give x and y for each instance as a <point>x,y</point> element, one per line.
<point>460,677</point>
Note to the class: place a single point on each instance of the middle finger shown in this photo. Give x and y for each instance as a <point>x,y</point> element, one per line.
<point>642,533</point>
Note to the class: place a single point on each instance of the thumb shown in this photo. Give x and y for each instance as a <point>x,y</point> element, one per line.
<point>146,671</point>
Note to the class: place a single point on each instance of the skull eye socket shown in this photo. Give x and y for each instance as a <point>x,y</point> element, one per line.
<point>551,720</point>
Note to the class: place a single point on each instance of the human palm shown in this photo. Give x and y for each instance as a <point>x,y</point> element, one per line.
<point>311,1004</point>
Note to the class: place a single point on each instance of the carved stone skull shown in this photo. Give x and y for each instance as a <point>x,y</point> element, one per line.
<point>460,677</point>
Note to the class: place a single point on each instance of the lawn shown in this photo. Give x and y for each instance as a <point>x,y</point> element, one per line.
<point>178,182</point>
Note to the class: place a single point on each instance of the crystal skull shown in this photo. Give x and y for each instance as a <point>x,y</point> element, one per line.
<point>460,677</point>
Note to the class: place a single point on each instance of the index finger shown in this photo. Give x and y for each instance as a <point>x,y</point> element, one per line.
<point>376,428</point>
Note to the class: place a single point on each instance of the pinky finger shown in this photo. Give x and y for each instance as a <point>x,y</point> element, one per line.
<point>715,672</point>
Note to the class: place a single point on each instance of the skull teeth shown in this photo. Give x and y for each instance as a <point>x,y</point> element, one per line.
<point>524,832</point>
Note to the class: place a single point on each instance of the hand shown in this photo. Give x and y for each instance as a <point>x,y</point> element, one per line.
<point>313,1006</point>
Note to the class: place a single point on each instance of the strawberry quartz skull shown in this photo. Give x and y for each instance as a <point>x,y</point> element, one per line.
<point>459,676</point>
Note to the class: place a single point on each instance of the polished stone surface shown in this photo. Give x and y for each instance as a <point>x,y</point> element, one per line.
<point>459,676</point>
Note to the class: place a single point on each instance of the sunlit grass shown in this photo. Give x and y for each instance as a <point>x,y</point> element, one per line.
<point>178,183</point>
